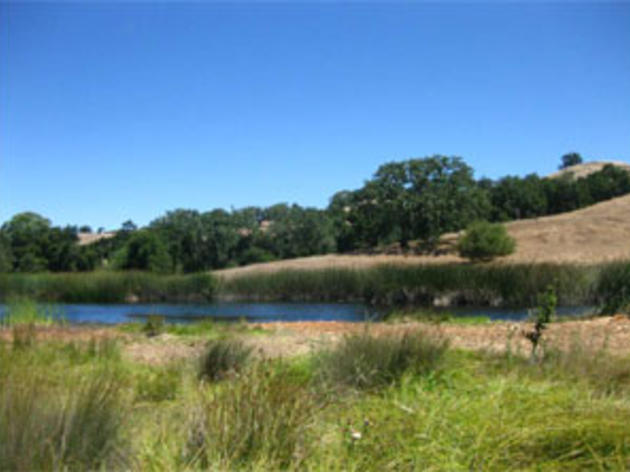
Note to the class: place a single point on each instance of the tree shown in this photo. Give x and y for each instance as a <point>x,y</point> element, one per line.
<point>514,198</point>
<point>128,226</point>
<point>484,241</point>
<point>183,230</point>
<point>27,235</point>
<point>146,251</point>
<point>6,256</point>
<point>570,159</point>
<point>426,197</point>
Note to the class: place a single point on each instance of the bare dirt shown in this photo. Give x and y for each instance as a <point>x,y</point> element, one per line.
<point>298,338</point>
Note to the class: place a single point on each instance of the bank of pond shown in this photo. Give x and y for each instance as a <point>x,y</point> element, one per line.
<point>456,285</point>
<point>269,312</point>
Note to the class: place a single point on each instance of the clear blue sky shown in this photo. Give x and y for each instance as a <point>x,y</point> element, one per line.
<point>126,110</point>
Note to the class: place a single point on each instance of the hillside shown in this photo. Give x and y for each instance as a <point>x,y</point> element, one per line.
<point>587,168</point>
<point>598,233</point>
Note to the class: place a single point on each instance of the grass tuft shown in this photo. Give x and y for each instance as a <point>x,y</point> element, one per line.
<point>223,358</point>
<point>261,420</point>
<point>365,361</point>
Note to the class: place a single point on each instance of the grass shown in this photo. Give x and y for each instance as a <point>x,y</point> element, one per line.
<point>85,406</point>
<point>458,284</point>
<point>364,361</point>
<point>434,316</point>
<point>107,287</point>
<point>51,420</point>
<point>206,328</point>
<point>514,285</point>
<point>223,358</point>
<point>27,312</point>
<point>260,420</point>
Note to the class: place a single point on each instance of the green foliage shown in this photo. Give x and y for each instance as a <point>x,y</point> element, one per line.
<point>570,159</point>
<point>613,289</point>
<point>145,251</point>
<point>464,284</point>
<point>107,287</point>
<point>546,309</point>
<point>484,241</point>
<point>25,311</point>
<point>365,361</point>
<point>223,358</point>
<point>413,199</point>
<point>416,200</point>
<point>154,325</point>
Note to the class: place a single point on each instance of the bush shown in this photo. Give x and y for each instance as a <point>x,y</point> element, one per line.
<point>484,241</point>
<point>365,361</point>
<point>222,358</point>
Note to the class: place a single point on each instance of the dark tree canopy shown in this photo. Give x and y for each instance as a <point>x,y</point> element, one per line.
<point>413,201</point>
<point>570,159</point>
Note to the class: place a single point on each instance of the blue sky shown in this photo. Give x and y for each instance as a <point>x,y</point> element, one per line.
<point>126,110</point>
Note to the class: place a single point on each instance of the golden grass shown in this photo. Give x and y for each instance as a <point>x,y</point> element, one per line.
<point>596,234</point>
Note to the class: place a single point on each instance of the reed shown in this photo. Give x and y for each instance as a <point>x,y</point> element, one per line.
<point>107,287</point>
<point>455,284</point>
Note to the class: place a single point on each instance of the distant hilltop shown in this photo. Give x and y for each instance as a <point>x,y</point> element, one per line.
<point>89,238</point>
<point>582,170</point>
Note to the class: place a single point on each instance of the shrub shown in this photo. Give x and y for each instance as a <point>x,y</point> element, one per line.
<point>365,361</point>
<point>222,358</point>
<point>546,309</point>
<point>259,419</point>
<point>484,241</point>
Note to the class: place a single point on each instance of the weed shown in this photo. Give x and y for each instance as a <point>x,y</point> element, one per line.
<point>546,309</point>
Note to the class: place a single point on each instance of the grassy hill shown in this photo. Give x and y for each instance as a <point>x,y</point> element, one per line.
<point>599,233</point>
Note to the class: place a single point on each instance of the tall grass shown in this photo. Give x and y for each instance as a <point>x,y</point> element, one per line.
<point>222,358</point>
<point>260,422</point>
<point>614,289</point>
<point>46,424</point>
<point>472,420</point>
<point>365,361</point>
<point>458,284</point>
<point>25,311</point>
<point>107,287</point>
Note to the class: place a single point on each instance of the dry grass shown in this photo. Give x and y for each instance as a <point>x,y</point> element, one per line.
<point>583,170</point>
<point>592,235</point>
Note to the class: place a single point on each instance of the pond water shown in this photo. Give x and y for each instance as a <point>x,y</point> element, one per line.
<point>259,312</point>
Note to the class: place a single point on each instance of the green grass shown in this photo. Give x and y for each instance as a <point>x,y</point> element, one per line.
<point>462,284</point>
<point>364,361</point>
<point>85,406</point>
<point>207,328</point>
<point>107,287</point>
<point>223,358</point>
<point>21,312</point>
<point>434,316</point>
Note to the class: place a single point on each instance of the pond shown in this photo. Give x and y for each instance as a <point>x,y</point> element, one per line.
<point>259,312</point>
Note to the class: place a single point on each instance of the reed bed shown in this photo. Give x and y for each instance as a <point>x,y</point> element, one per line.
<point>454,284</point>
<point>107,287</point>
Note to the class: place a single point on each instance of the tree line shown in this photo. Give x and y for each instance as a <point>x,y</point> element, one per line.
<point>413,200</point>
